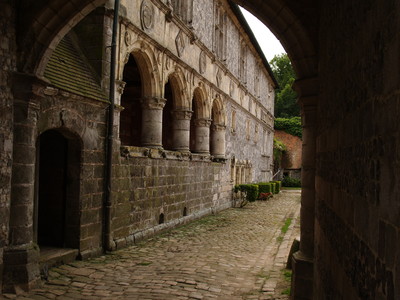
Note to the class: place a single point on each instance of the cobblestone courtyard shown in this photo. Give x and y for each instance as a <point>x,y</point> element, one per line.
<point>235,254</point>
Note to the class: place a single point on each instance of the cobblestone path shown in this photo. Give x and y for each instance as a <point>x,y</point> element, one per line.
<point>236,254</point>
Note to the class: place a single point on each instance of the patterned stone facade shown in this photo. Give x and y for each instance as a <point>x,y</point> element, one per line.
<point>345,54</point>
<point>181,120</point>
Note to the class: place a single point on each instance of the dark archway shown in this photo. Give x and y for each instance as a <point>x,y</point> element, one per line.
<point>58,176</point>
<point>131,116</point>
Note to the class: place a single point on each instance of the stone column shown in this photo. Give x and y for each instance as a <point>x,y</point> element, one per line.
<point>202,136</point>
<point>218,140</point>
<point>21,257</point>
<point>152,109</point>
<point>181,130</point>
<point>303,260</point>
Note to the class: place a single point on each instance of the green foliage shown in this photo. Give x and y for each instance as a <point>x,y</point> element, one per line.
<point>286,98</point>
<point>291,126</point>
<point>278,150</point>
<point>273,186</point>
<point>250,191</point>
<point>264,187</point>
<point>291,182</point>
<point>285,227</point>
<point>278,185</point>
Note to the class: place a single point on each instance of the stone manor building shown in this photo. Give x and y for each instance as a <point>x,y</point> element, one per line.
<point>193,116</point>
<point>346,58</point>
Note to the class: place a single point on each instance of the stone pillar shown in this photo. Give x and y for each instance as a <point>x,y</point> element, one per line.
<point>21,257</point>
<point>303,260</point>
<point>218,140</point>
<point>181,130</point>
<point>152,109</point>
<point>202,136</point>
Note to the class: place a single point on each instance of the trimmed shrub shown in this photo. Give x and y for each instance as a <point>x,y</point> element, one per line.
<point>278,185</point>
<point>264,187</point>
<point>273,185</point>
<point>250,191</point>
<point>291,182</point>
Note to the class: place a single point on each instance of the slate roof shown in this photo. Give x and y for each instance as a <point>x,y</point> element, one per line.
<point>69,70</point>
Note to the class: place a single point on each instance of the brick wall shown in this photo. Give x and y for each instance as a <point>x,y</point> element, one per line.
<point>7,65</point>
<point>358,152</point>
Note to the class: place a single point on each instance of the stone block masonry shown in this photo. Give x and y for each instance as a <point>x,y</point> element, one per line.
<point>7,66</point>
<point>152,194</point>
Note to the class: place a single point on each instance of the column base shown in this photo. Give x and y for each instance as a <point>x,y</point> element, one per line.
<point>302,277</point>
<point>21,269</point>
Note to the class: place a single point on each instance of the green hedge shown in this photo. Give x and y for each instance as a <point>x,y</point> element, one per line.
<point>273,186</point>
<point>291,182</point>
<point>264,187</point>
<point>278,186</point>
<point>251,191</point>
<point>289,125</point>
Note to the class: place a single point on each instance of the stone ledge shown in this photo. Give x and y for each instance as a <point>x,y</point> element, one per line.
<point>143,152</point>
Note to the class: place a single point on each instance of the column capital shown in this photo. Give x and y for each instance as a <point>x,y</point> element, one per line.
<point>155,103</point>
<point>182,114</point>
<point>202,122</point>
<point>218,127</point>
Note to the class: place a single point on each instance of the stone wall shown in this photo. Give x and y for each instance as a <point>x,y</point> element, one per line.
<point>149,183</point>
<point>357,209</point>
<point>7,66</point>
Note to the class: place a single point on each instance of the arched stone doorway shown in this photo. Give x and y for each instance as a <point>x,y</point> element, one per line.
<point>131,116</point>
<point>57,203</point>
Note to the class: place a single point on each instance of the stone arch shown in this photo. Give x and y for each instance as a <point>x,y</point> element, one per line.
<point>176,113</point>
<point>293,25</point>
<point>47,29</point>
<point>179,88</point>
<point>147,65</point>
<point>217,130</point>
<point>199,131</point>
<point>218,111</point>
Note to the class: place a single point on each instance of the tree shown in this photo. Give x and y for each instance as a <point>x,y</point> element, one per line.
<point>285,97</point>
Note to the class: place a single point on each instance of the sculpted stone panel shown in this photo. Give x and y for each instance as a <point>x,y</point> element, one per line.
<point>147,15</point>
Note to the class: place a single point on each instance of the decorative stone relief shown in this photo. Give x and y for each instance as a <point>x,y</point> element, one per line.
<point>180,43</point>
<point>202,62</point>
<point>167,63</point>
<point>128,38</point>
<point>231,88</point>
<point>147,15</point>
<point>182,114</point>
<point>202,122</point>
<point>153,103</point>
<point>219,78</point>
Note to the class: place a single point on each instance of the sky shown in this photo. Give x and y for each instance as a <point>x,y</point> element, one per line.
<point>267,40</point>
